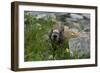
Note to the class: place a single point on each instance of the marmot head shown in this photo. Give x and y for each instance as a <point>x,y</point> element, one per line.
<point>56,34</point>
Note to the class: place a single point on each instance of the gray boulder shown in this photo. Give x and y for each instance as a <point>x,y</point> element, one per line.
<point>80,46</point>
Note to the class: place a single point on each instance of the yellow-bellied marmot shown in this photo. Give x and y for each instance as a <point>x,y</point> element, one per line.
<point>59,33</point>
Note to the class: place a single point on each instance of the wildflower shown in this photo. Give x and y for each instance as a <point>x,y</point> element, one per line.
<point>67,50</point>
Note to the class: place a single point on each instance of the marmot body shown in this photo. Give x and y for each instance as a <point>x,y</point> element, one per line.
<point>59,37</point>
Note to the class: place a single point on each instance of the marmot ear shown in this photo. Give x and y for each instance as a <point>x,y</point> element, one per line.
<point>62,28</point>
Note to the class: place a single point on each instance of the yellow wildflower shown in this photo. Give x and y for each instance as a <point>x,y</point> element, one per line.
<point>67,50</point>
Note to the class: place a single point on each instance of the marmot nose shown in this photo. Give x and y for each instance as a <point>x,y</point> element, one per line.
<point>55,36</point>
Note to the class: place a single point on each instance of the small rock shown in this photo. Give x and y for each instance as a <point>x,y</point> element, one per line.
<point>76,16</point>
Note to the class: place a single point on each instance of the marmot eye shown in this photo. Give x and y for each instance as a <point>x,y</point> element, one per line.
<point>60,32</point>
